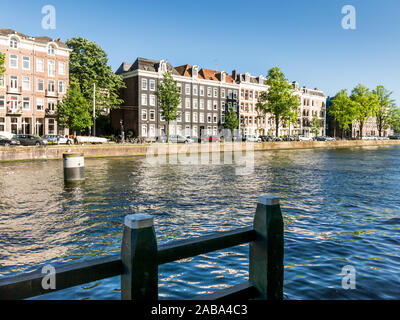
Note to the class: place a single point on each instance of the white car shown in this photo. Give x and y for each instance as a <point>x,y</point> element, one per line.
<point>251,138</point>
<point>7,135</point>
<point>304,138</point>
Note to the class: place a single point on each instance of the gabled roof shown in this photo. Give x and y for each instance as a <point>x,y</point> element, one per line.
<point>42,39</point>
<point>214,75</point>
<point>145,65</point>
<point>185,70</point>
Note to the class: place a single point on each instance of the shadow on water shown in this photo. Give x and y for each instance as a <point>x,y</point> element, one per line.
<point>340,208</point>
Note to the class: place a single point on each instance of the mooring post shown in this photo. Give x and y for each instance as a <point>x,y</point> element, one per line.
<point>266,253</point>
<point>139,280</point>
<point>74,167</point>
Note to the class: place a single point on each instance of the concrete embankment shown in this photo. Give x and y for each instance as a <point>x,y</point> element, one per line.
<point>119,150</point>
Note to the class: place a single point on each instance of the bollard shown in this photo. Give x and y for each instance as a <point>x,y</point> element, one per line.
<point>266,253</point>
<point>74,167</point>
<point>139,280</point>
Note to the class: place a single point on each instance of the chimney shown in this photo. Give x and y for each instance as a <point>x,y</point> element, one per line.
<point>234,74</point>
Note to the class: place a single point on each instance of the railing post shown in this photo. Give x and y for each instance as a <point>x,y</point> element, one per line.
<point>139,280</point>
<point>266,253</point>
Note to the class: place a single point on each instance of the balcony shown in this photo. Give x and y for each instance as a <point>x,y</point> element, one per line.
<point>50,113</point>
<point>14,112</point>
<point>51,94</point>
<point>11,90</point>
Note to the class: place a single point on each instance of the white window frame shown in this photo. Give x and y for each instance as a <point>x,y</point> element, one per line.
<point>195,88</point>
<point>26,83</point>
<point>14,43</point>
<point>144,99</point>
<point>24,60</point>
<point>187,89</point>
<point>13,58</point>
<point>3,81</point>
<point>152,85</point>
<point>40,80</point>
<point>39,65</point>
<point>195,104</point>
<point>26,99</point>
<point>62,67</point>
<point>201,91</point>
<point>3,99</point>
<point>51,68</point>
<point>40,102</point>
<point>144,115</point>
<point>187,103</point>
<point>49,82</point>
<point>144,84</point>
<point>63,86</point>
<point>152,100</point>
<point>194,117</point>
<point>215,90</point>
<point>201,104</point>
<point>187,116</point>
<point>152,112</point>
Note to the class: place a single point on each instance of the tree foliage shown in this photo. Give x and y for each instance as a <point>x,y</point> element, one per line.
<point>231,120</point>
<point>169,98</point>
<point>279,100</point>
<point>315,125</point>
<point>88,66</point>
<point>365,105</point>
<point>395,120</point>
<point>73,111</point>
<point>384,110</point>
<point>342,110</point>
<point>2,63</point>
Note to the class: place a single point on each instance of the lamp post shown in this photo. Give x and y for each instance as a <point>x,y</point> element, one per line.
<point>94,109</point>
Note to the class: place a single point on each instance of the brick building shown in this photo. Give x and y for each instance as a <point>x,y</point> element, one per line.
<point>36,79</point>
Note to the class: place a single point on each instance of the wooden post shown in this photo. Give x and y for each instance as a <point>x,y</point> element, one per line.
<point>139,280</point>
<point>266,253</point>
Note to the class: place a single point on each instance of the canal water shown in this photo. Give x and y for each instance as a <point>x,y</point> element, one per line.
<point>341,208</point>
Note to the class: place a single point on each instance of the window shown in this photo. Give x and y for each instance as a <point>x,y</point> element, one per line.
<point>51,86</point>
<point>215,118</point>
<point>61,87</point>
<point>195,103</point>
<point>187,89</point>
<point>195,90</point>
<point>187,131</point>
<point>215,131</point>
<point>51,105</point>
<point>51,50</point>
<point>13,43</point>
<point>40,85</point>
<point>14,82</point>
<point>2,81</point>
<point>209,93</point>
<point>161,117</point>
<point>51,68</point>
<point>14,61</point>
<point>144,114</point>
<point>144,84</point>
<point>215,93</point>
<point>51,126</point>
<point>26,103</point>
<point>195,119</point>
<point>235,94</point>
<point>2,103</point>
<point>152,100</point>
<point>222,106</point>
<point>194,131</point>
<point>201,104</point>
<point>215,104</point>
<point>2,124</point>
<point>26,83</point>
<point>209,105</point>
<point>187,103</point>
<point>61,68</point>
<point>152,132</point>
<point>179,85</point>
<point>26,63</point>
<point>13,102</point>
<point>187,116</point>
<point>222,93</point>
<point>144,99</point>
<point>39,104</point>
<point>202,91</point>
<point>152,115</point>
<point>152,85</point>
<point>39,65</point>
<point>209,118</point>
<point>14,125</point>
<point>201,117</point>
<point>230,94</point>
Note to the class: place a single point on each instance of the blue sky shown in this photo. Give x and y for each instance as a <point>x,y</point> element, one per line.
<point>304,38</point>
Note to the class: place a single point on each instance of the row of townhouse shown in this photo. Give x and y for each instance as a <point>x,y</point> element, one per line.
<point>206,97</point>
<point>36,79</point>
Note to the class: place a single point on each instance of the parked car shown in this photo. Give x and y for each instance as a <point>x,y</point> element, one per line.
<point>304,138</point>
<point>4,141</point>
<point>179,139</point>
<point>251,138</point>
<point>198,139</point>
<point>394,137</point>
<point>30,140</point>
<point>58,139</point>
<point>289,138</point>
<point>7,135</point>
<point>266,138</point>
<point>211,138</point>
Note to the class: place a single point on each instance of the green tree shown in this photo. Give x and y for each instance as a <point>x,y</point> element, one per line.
<point>169,98</point>
<point>73,111</point>
<point>342,110</point>
<point>395,120</point>
<point>365,105</point>
<point>2,63</point>
<point>315,125</point>
<point>384,108</point>
<point>279,99</point>
<point>88,65</point>
<point>231,120</point>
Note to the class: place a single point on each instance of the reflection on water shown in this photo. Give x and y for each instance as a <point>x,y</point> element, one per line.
<point>341,207</point>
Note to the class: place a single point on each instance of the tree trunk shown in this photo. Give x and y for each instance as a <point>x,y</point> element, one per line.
<point>361,129</point>
<point>167,131</point>
<point>276,128</point>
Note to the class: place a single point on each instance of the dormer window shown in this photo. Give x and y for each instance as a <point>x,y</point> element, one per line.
<point>13,43</point>
<point>195,71</point>
<point>163,66</point>
<point>261,80</point>
<point>223,77</point>
<point>247,77</point>
<point>51,50</point>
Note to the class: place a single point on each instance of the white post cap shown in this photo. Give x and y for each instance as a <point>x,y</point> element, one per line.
<point>138,221</point>
<point>268,200</point>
